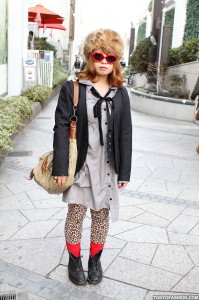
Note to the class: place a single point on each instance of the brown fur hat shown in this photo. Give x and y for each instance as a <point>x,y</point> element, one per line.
<point>104,39</point>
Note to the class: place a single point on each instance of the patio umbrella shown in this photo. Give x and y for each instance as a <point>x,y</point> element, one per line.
<point>44,16</point>
<point>53,26</point>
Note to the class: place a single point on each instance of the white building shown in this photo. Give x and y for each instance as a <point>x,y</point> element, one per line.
<point>14,39</point>
<point>62,8</point>
<point>179,20</point>
<point>13,45</point>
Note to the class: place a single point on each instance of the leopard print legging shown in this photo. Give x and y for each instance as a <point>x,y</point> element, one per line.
<point>74,221</point>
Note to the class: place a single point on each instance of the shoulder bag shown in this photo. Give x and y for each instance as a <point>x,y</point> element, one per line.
<point>42,173</point>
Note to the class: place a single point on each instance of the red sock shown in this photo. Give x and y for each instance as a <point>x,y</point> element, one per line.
<point>74,249</point>
<point>95,248</point>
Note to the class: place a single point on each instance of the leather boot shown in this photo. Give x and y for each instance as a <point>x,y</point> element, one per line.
<point>75,270</point>
<point>95,269</point>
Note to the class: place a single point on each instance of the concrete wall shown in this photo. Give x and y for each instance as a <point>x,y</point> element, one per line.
<point>139,80</point>
<point>191,70</point>
<point>17,45</point>
<point>162,107</point>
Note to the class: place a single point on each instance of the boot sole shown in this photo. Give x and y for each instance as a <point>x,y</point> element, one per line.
<point>77,282</point>
<point>94,282</point>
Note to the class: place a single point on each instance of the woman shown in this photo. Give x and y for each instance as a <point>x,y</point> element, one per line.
<point>104,142</point>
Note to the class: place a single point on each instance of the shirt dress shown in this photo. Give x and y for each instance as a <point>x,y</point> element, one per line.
<point>95,185</point>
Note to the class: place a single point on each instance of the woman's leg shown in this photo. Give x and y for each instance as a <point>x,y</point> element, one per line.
<point>99,231</point>
<point>73,232</point>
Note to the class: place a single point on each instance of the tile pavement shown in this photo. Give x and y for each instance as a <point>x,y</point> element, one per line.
<point>152,250</point>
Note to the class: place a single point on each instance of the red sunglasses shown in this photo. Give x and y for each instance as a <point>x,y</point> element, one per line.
<point>99,56</point>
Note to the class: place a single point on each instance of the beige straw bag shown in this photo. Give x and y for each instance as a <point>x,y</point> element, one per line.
<point>42,173</point>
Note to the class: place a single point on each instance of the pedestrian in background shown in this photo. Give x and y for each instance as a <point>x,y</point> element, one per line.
<point>104,141</point>
<point>123,63</point>
<point>193,96</point>
<point>77,64</point>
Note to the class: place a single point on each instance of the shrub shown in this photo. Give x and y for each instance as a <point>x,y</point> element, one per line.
<point>139,59</point>
<point>37,93</point>
<point>59,75</point>
<point>186,53</point>
<point>42,44</point>
<point>141,31</point>
<point>13,111</point>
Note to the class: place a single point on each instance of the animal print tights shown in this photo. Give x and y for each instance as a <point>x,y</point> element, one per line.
<point>74,221</point>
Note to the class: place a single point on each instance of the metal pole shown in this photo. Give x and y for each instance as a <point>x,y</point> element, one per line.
<point>160,50</point>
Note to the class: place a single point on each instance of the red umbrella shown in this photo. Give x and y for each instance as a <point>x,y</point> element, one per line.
<point>42,15</point>
<point>52,26</point>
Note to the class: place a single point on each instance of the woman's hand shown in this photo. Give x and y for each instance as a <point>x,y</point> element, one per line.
<point>60,180</point>
<point>122,185</point>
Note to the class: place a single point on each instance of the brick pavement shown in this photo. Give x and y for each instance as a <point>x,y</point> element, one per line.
<point>152,250</point>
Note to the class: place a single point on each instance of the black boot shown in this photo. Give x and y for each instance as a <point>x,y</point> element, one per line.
<point>75,270</point>
<point>95,269</point>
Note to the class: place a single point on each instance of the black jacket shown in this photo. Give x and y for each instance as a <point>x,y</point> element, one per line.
<point>119,140</point>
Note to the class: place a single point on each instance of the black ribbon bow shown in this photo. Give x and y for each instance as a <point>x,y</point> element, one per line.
<point>97,110</point>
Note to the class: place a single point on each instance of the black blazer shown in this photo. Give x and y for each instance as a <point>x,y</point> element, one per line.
<point>119,139</point>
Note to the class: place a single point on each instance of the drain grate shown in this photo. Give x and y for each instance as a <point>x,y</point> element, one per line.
<point>19,154</point>
<point>8,297</point>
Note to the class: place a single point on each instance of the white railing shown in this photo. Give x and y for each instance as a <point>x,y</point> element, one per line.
<point>44,66</point>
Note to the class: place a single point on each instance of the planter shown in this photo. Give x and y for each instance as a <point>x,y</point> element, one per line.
<point>178,109</point>
<point>37,108</point>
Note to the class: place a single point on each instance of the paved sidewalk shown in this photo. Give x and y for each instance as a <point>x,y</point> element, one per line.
<point>152,250</point>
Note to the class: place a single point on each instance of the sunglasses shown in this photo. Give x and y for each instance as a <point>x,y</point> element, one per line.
<point>99,56</point>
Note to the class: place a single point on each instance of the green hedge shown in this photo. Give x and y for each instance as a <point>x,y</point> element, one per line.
<point>186,53</point>
<point>41,44</point>
<point>37,93</point>
<point>192,20</point>
<point>141,32</point>
<point>169,21</point>
<point>59,75</point>
<point>139,59</point>
<point>13,112</point>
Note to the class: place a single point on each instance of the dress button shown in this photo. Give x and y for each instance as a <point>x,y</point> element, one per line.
<point>110,198</point>
<point>104,108</point>
<point>107,161</point>
<point>109,150</point>
<point>108,174</point>
<point>106,123</point>
<point>109,135</point>
<point>109,186</point>
<point>109,143</point>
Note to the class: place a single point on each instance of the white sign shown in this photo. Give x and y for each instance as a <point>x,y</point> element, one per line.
<point>29,74</point>
<point>29,62</point>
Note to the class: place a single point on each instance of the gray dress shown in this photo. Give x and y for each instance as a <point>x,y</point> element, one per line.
<point>95,184</point>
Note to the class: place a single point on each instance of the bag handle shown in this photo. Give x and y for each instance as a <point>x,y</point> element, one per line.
<point>76,93</point>
<point>73,119</point>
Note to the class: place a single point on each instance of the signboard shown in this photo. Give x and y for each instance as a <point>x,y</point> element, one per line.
<point>29,69</point>
<point>47,57</point>
<point>29,74</point>
<point>29,62</point>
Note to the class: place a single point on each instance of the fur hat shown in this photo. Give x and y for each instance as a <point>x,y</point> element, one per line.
<point>104,39</point>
